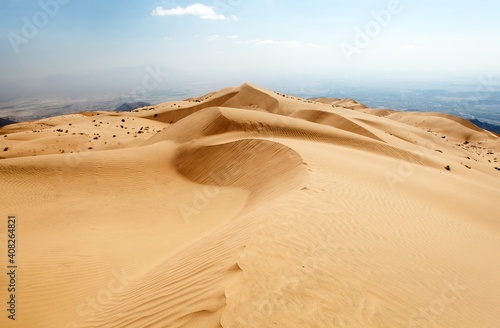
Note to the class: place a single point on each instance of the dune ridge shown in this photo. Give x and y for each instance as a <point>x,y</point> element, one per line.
<point>250,208</point>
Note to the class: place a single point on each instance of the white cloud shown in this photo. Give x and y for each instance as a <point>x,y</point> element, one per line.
<point>289,43</point>
<point>197,9</point>
<point>232,37</point>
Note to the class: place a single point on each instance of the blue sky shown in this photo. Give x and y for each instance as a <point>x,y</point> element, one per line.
<point>232,41</point>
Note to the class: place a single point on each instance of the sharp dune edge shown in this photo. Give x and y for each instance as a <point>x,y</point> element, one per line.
<point>249,208</point>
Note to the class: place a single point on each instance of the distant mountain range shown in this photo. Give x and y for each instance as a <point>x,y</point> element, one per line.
<point>5,121</point>
<point>486,126</point>
<point>127,107</point>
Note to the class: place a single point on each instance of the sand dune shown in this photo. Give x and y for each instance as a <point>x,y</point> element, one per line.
<point>249,208</point>
<point>335,120</point>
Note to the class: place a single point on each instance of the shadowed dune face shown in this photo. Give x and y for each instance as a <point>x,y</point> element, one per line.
<point>249,208</point>
<point>263,167</point>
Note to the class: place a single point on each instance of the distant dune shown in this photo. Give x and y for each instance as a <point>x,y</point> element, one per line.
<point>251,208</point>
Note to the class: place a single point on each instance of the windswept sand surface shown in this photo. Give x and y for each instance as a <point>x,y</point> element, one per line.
<point>249,208</point>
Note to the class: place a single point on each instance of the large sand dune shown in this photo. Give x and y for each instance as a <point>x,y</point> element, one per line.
<point>250,208</point>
